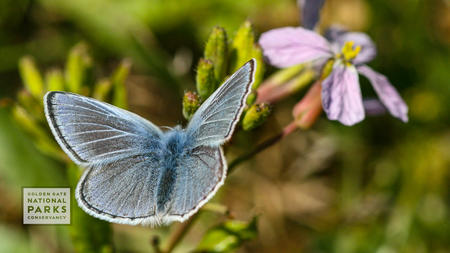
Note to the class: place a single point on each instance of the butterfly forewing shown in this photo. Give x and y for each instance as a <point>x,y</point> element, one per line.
<point>214,121</point>
<point>91,131</point>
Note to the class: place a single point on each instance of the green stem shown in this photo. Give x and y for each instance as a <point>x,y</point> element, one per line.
<point>286,131</point>
<point>180,231</point>
<point>155,241</point>
<point>233,164</point>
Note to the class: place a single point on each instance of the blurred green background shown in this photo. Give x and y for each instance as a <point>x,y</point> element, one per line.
<point>380,186</point>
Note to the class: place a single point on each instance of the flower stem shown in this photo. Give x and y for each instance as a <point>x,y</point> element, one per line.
<point>178,234</point>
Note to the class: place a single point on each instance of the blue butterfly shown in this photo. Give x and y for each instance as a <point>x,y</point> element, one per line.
<point>137,174</point>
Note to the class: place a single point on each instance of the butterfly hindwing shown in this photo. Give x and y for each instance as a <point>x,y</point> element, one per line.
<point>123,191</point>
<point>198,178</point>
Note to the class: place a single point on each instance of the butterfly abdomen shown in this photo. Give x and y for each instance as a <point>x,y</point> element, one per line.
<point>174,150</point>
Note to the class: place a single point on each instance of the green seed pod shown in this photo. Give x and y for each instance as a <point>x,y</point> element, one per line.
<point>118,83</point>
<point>191,103</point>
<point>301,81</point>
<point>216,50</point>
<point>255,116</point>
<point>40,137</point>
<point>102,90</point>
<point>242,46</point>
<point>205,81</point>
<point>77,67</point>
<point>259,72</point>
<point>283,75</point>
<point>31,77</point>
<point>30,104</point>
<point>251,98</point>
<point>54,80</point>
<point>326,70</point>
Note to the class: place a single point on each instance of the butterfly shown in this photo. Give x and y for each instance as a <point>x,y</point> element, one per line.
<point>136,173</point>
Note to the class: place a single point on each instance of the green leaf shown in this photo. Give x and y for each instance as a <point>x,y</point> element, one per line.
<point>228,236</point>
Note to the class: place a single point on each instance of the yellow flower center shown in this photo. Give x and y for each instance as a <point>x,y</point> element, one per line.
<point>349,52</point>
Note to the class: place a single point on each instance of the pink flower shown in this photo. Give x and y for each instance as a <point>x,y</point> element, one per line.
<point>348,52</point>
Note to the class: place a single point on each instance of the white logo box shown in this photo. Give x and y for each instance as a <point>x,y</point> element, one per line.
<point>46,205</point>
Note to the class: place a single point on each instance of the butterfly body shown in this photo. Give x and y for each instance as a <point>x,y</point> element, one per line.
<point>136,173</point>
<point>175,148</point>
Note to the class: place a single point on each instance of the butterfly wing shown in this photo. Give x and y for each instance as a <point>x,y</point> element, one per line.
<point>199,176</point>
<point>214,121</point>
<point>90,131</point>
<point>123,191</point>
<point>119,150</point>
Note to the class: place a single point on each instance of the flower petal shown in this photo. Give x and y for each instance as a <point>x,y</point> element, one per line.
<point>341,95</point>
<point>310,12</point>
<point>288,46</point>
<point>338,36</point>
<point>386,92</point>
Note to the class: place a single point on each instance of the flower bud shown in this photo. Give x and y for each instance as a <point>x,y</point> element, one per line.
<point>326,70</point>
<point>205,81</point>
<point>251,98</point>
<point>102,90</point>
<point>54,80</point>
<point>77,67</point>
<point>191,103</point>
<point>306,111</point>
<point>118,83</point>
<point>30,104</point>
<point>272,92</point>
<point>242,46</point>
<point>216,50</point>
<point>31,77</point>
<point>257,54</point>
<point>255,116</point>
